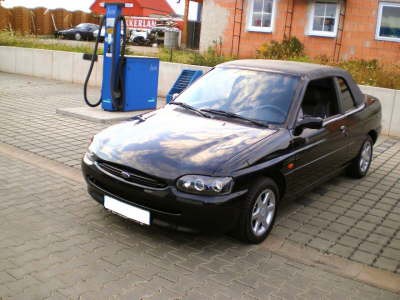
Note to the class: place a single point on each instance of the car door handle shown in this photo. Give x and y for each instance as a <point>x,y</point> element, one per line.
<point>343,129</point>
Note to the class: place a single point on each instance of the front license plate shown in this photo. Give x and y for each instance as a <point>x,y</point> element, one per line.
<point>131,212</point>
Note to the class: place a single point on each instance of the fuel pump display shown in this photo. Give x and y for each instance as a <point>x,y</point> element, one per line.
<point>129,83</point>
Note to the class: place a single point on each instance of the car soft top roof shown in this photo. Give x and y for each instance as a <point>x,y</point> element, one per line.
<point>282,66</point>
<point>312,71</point>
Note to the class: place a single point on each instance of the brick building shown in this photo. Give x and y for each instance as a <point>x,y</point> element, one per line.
<point>338,29</point>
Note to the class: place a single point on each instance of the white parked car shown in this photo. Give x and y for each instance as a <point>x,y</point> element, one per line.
<point>139,37</point>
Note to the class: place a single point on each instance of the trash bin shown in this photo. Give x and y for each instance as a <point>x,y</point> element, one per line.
<point>171,39</point>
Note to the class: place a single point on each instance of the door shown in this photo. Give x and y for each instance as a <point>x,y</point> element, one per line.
<point>318,152</point>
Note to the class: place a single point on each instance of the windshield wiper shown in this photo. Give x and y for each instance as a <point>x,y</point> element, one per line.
<point>234,116</point>
<point>189,107</point>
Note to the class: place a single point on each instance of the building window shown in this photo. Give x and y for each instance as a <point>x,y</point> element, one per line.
<point>388,26</point>
<point>324,18</point>
<point>261,15</point>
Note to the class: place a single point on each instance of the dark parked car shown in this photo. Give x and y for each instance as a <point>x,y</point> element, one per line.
<point>82,31</point>
<point>232,146</point>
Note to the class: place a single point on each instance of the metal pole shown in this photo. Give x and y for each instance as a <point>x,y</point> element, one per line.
<point>185,24</point>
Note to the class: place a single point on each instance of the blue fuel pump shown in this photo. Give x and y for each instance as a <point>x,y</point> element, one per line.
<point>129,83</point>
<point>112,98</point>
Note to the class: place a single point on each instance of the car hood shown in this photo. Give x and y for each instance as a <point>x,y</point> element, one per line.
<point>172,142</point>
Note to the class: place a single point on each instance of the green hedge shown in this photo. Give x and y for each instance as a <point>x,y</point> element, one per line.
<point>365,72</point>
<point>7,39</point>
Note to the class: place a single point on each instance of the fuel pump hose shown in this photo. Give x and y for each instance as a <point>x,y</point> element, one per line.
<point>117,82</point>
<point>93,60</point>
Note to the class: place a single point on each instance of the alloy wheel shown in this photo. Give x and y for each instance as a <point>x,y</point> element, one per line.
<point>365,157</point>
<point>263,212</point>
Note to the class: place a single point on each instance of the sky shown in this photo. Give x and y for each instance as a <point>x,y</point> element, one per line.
<point>78,4</point>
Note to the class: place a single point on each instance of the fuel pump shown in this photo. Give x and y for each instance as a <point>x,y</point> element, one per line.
<point>112,94</point>
<point>122,86</point>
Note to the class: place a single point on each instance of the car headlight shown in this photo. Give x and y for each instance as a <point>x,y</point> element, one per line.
<point>89,157</point>
<point>205,185</point>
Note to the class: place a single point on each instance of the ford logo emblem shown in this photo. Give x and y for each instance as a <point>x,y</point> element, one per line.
<point>125,175</point>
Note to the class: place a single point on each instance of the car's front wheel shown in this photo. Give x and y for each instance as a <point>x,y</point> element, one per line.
<point>360,165</point>
<point>259,211</point>
<point>78,36</point>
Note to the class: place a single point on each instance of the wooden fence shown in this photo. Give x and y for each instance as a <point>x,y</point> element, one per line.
<point>42,21</point>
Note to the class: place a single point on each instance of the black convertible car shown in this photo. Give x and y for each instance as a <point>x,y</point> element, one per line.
<point>82,31</point>
<point>225,153</point>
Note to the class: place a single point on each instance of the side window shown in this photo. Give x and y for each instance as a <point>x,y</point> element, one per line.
<point>347,99</point>
<point>320,99</point>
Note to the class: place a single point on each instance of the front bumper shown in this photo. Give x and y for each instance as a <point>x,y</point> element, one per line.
<point>168,207</point>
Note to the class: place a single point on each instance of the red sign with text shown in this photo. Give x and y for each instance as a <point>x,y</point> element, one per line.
<point>141,22</point>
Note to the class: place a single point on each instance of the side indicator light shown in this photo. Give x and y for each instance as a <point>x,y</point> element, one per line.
<point>290,166</point>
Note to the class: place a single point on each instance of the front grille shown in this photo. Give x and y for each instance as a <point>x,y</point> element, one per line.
<point>131,175</point>
<point>141,200</point>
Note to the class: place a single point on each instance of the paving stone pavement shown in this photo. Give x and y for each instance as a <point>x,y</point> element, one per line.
<point>356,219</point>
<point>57,243</point>
<point>29,120</point>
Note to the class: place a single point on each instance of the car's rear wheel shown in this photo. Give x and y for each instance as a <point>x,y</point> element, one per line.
<point>78,36</point>
<point>360,165</point>
<point>259,211</point>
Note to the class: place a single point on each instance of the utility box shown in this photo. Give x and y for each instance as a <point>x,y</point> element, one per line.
<point>140,83</point>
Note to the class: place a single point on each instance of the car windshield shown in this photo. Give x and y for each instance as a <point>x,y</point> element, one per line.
<point>81,26</point>
<point>255,95</point>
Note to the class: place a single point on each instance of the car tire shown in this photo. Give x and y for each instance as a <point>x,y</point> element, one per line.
<point>360,165</point>
<point>78,36</point>
<point>258,212</point>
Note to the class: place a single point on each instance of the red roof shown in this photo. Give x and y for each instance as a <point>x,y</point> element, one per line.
<point>141,8</point>
<point>157,5</point>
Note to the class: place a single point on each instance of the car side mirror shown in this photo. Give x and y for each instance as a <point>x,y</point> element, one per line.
<point>308,122</point>
<point>174,96</point>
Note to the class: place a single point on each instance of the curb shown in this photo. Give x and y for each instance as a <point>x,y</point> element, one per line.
<point>333,264</point>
